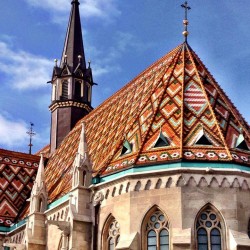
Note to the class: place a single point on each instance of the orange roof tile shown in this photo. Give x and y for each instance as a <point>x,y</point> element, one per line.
<point>176,98</point>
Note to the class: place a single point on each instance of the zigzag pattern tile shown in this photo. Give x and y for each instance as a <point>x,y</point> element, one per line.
<point>197,112</point>
<point>17,174</point>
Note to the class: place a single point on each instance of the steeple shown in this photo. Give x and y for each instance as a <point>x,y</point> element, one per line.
<point>71,83</point>
<point>73,52</point>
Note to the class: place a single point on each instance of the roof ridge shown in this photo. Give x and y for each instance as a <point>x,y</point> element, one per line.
<point>191,52</point>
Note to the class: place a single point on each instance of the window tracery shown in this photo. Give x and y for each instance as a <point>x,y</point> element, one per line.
<point>157,231</point>
<point>111,234</point>
<point>209,230</point>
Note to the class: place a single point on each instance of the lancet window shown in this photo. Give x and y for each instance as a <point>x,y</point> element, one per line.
<point>156,231</point>
<point>111,235</point>
<point>209,230</point>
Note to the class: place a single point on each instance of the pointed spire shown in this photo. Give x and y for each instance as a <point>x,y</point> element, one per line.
<point>40,177</point>
<point>83,147</point>
<point>39,195</point>
<point>73,45</point>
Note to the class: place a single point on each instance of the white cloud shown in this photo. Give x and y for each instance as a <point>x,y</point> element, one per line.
<point>12,133</point>
<point>106,61</point>
<point>24,70</point>
<point>104,9</point>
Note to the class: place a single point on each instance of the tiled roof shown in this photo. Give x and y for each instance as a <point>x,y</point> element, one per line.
<point>174,110</point>
<point>17,174</point>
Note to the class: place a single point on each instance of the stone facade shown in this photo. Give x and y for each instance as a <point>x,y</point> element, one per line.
<point>181,195</point>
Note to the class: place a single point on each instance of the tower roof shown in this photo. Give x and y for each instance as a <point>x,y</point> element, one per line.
<point>172,111</point>
<point>73,45</point>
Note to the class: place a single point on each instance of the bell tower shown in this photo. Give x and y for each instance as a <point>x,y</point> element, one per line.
<point>71,83</point>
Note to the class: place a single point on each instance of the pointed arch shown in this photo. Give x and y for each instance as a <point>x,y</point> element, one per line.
<point>209,229</point>
<point>155,229</point>
<point>110,233</point>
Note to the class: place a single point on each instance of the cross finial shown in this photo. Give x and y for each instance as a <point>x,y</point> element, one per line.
<point>185,21</point>
<point>31,133</point>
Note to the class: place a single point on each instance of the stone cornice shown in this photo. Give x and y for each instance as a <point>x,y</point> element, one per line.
<point>69,103</point>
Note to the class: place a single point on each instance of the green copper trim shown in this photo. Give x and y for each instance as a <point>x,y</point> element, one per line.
<point>159,167</point>
<point>9,229</point>
<point>58,202</point>
<point>20,223</point>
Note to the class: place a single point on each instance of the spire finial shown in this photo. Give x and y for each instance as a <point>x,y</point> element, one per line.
<point>31,133</point>
<point>185,21</point>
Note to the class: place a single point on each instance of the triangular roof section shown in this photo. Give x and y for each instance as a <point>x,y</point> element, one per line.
<point>177,96</point>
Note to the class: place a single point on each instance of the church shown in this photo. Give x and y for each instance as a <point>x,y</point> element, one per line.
<point>163,164</point>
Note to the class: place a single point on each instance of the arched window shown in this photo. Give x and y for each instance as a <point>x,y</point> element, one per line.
<point>111,234</point>
<point>209,225</point>
<point>84,174</point>
<point>155,231</point>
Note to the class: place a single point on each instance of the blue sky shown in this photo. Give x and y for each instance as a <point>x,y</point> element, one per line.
<point>121,38</point>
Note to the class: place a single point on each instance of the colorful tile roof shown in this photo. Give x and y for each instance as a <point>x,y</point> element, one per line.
<point>17,174</point>
<point>174,110</point>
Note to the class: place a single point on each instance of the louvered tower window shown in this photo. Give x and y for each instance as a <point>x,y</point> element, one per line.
<point>65,90</point>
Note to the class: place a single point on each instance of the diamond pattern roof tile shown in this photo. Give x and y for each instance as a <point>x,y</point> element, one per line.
<point>17,174</point>
<point>176,96</point>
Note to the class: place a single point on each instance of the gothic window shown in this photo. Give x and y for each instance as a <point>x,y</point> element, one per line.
<point>209,230</point>
<point>84,178</point>
<point>155,231</point>
<point>65,87</point>
<point>111,234</point>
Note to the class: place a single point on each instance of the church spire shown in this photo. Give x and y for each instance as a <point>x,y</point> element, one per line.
<point>71,83</point>
<point>73,52</point>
